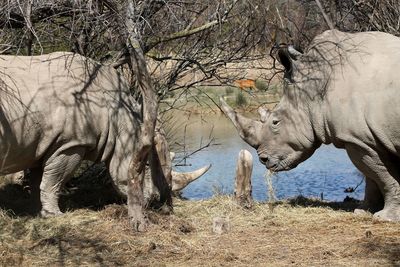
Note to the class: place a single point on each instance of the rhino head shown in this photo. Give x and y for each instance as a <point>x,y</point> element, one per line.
<point>284,136</point>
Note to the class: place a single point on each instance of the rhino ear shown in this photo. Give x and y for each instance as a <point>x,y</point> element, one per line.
<point>286,56</point>
<point>264,113</point>
<point>293,53</point>
<point>284,59</point>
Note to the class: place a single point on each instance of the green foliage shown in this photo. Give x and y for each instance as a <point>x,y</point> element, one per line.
<point>229,90</point>
<point>275,88</point>
<point>261,85</point>
<point>240,99</point>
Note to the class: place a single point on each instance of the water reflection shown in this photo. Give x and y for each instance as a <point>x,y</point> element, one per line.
<point>329,171</point>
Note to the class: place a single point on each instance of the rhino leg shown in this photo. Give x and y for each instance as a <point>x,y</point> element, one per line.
<point>381,171</point>
<point>58,169</point>
<point>373,199</point>
<point>34,178</point>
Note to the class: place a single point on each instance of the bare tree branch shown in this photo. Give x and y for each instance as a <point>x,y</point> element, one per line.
<point>327,20</point>
<point>188,32</point>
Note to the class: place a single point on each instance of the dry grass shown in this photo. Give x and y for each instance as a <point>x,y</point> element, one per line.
<point>293,234</point>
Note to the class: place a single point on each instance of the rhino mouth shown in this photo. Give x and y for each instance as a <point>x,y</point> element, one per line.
<point>277,165</point>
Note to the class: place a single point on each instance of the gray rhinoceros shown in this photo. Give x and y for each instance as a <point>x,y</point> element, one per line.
<point>344,90</point>
<point>59,109</point>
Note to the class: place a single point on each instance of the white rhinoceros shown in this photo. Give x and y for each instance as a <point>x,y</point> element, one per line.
<point>344,90</point>
<point>59,109</point>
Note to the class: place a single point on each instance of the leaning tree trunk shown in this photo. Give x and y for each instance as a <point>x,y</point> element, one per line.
<point>150,106</point>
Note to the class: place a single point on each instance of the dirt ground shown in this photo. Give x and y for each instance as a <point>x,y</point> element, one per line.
<point>299,232</point>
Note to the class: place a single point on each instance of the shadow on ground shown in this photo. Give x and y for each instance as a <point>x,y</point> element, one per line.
<point>16,199</point>
<point>348,204</point>
<point>382,246</point>
<point>91,190</point>
<point>64,250</point>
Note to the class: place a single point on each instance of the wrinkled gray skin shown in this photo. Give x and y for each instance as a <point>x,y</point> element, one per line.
<point>59,109</point>
<point>344,90</point>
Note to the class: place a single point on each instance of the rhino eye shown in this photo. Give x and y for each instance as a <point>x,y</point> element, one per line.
<point>275,122</point>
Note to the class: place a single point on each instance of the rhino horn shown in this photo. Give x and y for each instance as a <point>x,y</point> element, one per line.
<point>248,129</point>
<point>181,179</point>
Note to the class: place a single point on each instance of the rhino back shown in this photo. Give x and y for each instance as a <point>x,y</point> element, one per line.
<point>56,100</point>
<point>364,88</point>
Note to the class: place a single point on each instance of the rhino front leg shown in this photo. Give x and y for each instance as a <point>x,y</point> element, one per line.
<point>58,169</point>
<point>32,178</point>
<point>383,175</point>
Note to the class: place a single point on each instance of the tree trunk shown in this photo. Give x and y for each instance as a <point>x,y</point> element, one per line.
<point>150,106</point>
<point>158,194</point>
<point>244,169</point>
<point>29,26</point>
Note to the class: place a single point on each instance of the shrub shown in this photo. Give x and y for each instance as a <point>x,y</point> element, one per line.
<point>240,99</point>
<point>261,85</point>
<point>229,90</point>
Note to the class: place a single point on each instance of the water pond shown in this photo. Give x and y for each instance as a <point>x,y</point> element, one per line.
<point>329,171</point>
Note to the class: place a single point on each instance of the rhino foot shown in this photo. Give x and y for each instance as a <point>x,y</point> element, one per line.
<point>138,223</point>
<point>391,214</point>
<point>47,214</point>
<point>361,211</point>
<point>366,209</point>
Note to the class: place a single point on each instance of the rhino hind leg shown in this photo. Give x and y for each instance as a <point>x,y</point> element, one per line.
<point>384,175</point>
<point>58,169</point>
<point>373,199</point>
